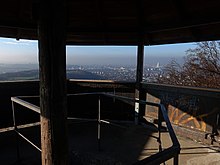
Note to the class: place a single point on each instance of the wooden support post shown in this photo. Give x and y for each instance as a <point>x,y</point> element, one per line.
<point>53,100</point>
<point>139,94</point>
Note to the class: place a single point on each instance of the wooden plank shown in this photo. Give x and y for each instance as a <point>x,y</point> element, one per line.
<point>206,92</point>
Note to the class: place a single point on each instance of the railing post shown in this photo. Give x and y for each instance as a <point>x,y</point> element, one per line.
<point>136,115</point>
<point>99,124</point>
<point>176,160</point>
<point>15,129</point>
<point>159,128</point>
<point>114,94</point>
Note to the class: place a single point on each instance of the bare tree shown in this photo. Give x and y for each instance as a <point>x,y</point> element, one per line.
<point>173,74</point>
<point>201,67</point>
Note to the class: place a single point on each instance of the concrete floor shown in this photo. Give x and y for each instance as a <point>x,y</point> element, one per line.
<point>136,142</point>
<point>123,145</point>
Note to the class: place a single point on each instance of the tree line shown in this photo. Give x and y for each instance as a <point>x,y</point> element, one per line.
<point>201,67</point>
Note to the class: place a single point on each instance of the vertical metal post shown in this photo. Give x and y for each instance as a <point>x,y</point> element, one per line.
<point>176,160</point>
<point>114,94</point>
<point>215,129</point>
<point>99,124</point>
<point>159,128</point>
<point>136,111</point>
<point>15,129</point>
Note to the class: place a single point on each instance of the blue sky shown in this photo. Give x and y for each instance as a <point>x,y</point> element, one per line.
<point>26,51</point>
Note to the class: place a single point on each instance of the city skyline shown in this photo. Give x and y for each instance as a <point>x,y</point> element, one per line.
<point>26,52</point>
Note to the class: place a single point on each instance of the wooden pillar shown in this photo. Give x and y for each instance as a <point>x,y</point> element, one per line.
<point>140,62</point>
<point>53,99</point>
<point>139,94</point>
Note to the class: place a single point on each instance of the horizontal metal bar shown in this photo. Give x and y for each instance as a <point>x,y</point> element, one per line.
<point>27,140</point>
<point>117,125</point>
<point>82,119</point>
<point>108,95</point>
<point>19,127</point>
<point>26,104</point>
<point>159,157</point>
<point>83,94</point>
<point>131,99</point>
<point>28,125</point>
<point>116,96</point>
<point>27,97</point>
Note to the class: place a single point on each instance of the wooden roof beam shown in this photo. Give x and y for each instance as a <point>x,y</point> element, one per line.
<point>101,18</point>
<point>183,15</point>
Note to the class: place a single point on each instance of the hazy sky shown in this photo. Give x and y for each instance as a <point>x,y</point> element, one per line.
<point>26,51</point>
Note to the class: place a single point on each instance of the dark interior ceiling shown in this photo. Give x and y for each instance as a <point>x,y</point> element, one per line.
<point>120,22</point>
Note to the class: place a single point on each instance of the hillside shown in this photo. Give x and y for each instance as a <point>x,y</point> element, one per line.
<point>81,74</point>
<point>34,75</point>
<point>20,75</point>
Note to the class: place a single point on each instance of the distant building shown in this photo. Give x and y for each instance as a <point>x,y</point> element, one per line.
<point>158,65</point>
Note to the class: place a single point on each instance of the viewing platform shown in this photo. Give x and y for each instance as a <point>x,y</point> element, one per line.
<point>174,110</point>
<point>119,145</point>
<point>114,136</point>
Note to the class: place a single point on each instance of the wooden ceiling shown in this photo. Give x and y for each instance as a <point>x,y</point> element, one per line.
<point>120,22</point>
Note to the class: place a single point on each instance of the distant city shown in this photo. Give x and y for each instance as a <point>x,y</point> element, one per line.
<point>12,72</point>
<point>119,73</point>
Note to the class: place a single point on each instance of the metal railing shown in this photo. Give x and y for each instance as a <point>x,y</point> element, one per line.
<point>18,100</point>
<point>162,156</point>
